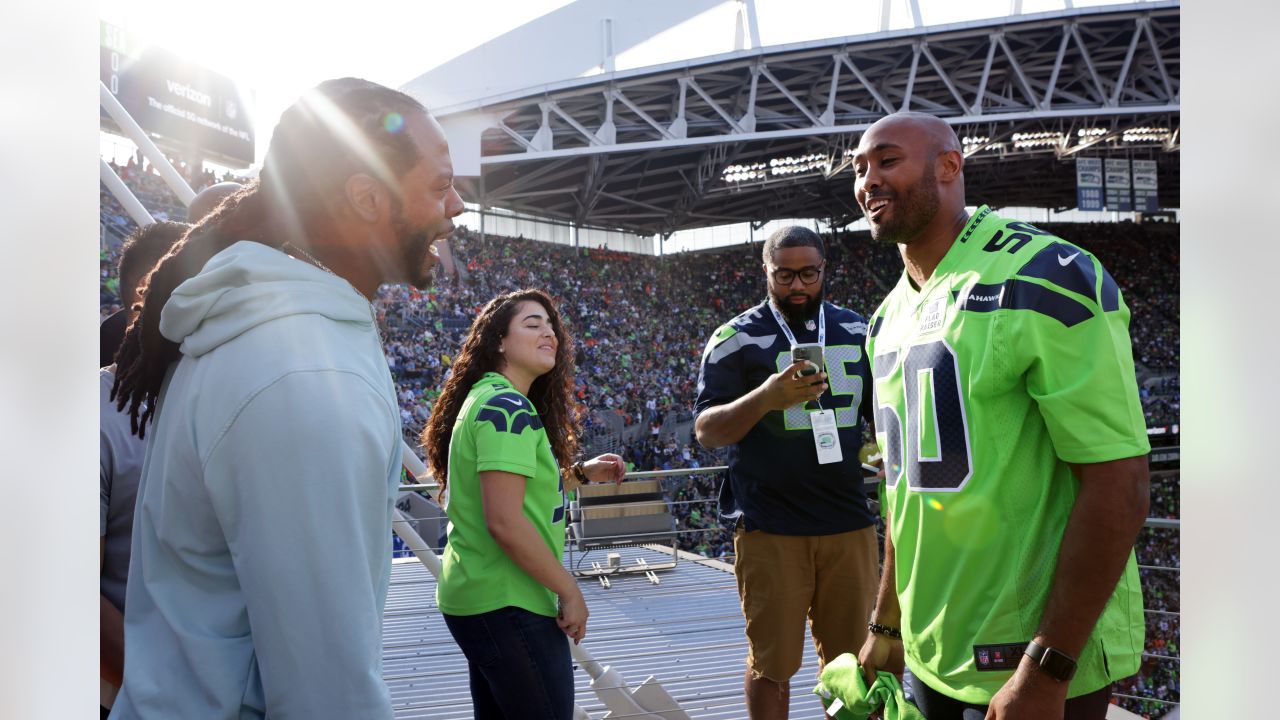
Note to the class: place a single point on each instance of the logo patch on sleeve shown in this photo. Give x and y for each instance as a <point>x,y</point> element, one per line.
<point>509,412</point>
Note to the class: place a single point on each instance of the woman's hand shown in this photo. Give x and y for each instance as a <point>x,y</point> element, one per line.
<point>604,468</point>
<point>572,618</point>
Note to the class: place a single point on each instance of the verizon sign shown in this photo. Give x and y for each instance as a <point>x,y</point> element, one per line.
<point>179,101</point>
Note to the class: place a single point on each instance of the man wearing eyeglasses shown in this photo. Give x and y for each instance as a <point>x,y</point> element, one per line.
<point>804,542</point>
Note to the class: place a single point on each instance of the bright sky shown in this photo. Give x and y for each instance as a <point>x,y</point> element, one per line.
<point>279,49</point>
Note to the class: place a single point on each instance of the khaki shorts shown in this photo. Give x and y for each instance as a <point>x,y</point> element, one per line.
<point>783,579</point>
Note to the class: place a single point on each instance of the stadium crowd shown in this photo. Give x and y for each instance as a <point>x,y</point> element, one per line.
<point>641,322</point>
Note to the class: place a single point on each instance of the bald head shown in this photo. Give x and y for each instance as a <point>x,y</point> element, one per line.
<point>922,130</point>
<point>208,199</point>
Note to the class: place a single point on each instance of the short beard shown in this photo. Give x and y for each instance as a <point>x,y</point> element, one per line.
<point>415,246</point>
<point>920,203</point>
<point>796,315</point>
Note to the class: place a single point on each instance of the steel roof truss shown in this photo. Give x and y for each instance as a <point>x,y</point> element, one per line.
<point>515,136</point>
<point>1128,60</point>
<point>829,116</point>
<point>690,82</point>
<point>787,94</point>
<point>888,107</point>
<point>911,76</point>
<point>942,74</point>
<point>1159,61</point>
<point>1088,62</point>
<point>662,131</point>
<point>1023,84</point>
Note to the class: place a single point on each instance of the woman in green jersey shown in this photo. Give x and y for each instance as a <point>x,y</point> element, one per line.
<point>499,434</point>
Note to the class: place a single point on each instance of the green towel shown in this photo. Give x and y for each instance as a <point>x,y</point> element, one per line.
<point>842,680</point>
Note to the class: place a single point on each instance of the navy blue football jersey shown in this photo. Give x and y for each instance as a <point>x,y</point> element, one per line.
<point>775,480</point>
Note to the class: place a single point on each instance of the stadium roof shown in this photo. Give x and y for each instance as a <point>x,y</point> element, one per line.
<point>765,133</point>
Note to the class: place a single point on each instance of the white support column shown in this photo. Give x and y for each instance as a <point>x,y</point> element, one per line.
<point>916,19</point>
<point>753,25</point>
<point>542,140</point>
<point>680,126</point>
<point>749,119</point>
<point>122,195</point>
<point>886,7</point>
<point>608,132</point>
<point>606,45</point>
<point>139,136</point>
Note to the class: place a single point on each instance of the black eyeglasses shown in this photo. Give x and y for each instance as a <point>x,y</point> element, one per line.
<point>786,276</point>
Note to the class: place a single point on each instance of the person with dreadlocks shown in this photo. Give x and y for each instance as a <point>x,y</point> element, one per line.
<point>501,442</point>
<point>262,539</point>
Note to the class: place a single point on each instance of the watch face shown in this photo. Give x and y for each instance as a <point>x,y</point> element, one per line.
<point>1058,664</point>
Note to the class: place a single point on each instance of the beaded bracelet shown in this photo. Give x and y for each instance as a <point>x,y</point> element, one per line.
<point>885,630</point>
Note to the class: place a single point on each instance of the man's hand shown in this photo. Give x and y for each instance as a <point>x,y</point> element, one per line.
<point>605,468</point>
<point>880,653</point>
<point>787,388</point>
<point>1029,695</point>
<point>722,425</point>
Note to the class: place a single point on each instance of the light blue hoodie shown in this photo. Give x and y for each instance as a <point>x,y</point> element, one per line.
<point>262,539</point>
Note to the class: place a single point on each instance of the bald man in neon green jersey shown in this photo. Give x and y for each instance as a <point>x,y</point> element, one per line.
<point>1015,449</point>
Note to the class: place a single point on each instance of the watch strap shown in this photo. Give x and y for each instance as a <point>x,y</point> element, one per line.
<point>1055,663</point>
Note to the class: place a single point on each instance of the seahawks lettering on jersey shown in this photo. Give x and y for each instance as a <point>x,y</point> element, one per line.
<point>1010,362</point>
<point>774,477</point>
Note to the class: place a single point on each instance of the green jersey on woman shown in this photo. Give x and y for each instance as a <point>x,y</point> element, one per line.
<point>497,429</point>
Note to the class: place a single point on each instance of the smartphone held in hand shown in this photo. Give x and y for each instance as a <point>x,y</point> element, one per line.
<point>811,352</point>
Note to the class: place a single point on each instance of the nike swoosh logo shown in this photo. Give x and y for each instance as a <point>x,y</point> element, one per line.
<point>513,401</point>
<point>1065,261</point>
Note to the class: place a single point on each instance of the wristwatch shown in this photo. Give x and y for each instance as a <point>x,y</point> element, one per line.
<point>1055,663</point>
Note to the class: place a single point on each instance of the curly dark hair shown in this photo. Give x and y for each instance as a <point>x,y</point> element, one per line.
<point>334,131</point>
<point>551,393</point>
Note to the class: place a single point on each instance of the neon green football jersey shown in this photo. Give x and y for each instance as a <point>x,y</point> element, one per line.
<point>497,429</point>
<point>1012,361</point>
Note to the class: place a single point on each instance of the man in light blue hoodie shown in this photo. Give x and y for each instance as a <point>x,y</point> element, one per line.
<point>262,542</point>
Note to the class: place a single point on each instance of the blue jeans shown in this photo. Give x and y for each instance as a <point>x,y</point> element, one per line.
<point>519,664</point>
